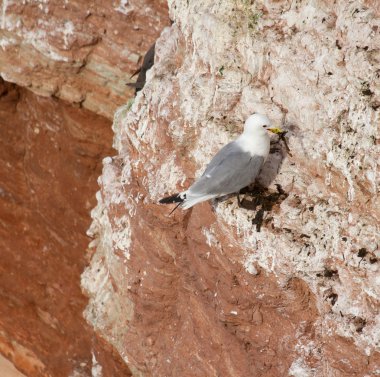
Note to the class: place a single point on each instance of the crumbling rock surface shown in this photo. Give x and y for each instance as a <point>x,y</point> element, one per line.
<point>50,155</point>
<point>82,52</point>
<point>79,51</point>
<point>203,292</point>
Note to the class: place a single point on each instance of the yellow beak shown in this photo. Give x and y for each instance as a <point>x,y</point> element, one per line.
<point>276,130</point>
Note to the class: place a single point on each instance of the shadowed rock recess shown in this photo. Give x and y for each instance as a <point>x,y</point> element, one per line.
<point>206,292</point>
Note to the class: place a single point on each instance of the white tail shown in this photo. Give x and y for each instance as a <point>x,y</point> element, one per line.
<point>192,200</point>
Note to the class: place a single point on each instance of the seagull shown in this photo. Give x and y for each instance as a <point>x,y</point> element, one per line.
<point>234,167</point>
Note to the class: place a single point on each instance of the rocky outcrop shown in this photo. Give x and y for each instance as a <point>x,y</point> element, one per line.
<point>80,52</point>
<point>290,286</point>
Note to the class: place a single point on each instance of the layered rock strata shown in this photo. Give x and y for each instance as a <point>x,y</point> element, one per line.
<point>81,52</point>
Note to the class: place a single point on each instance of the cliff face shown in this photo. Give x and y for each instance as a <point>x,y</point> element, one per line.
<point>50,158</point>
<point>290,287</point>
<point>81,54</point>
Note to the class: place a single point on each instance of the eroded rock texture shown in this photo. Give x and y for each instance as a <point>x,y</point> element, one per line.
<point>82,52</point>
<point>50,158</point>
<point>79,51</point>
<point>204,292</point>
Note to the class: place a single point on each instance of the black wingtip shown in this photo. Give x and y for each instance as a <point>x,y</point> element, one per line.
<point>171,199</point>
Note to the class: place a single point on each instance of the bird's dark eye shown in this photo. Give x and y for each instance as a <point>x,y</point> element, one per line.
<point>265,126</point>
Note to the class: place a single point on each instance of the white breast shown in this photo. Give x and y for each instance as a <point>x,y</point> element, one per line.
<point>255,144</point>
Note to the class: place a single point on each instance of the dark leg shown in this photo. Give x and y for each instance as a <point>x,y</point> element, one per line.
<point>175,208</point>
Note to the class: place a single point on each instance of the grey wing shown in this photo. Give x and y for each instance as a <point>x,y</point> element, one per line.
<point>229,149</point>
<point>228,172</point>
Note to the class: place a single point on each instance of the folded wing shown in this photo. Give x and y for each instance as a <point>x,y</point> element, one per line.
<point>229,171</point>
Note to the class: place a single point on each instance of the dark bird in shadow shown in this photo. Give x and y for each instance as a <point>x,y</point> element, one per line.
<point>147,63</point>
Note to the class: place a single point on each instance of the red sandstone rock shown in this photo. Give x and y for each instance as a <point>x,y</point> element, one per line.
<point>7,368</point>
<point>202,292</point>
<point>50,158</point>
<point>82,52</point>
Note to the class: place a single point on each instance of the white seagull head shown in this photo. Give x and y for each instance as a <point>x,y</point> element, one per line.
<point>258,124</point>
